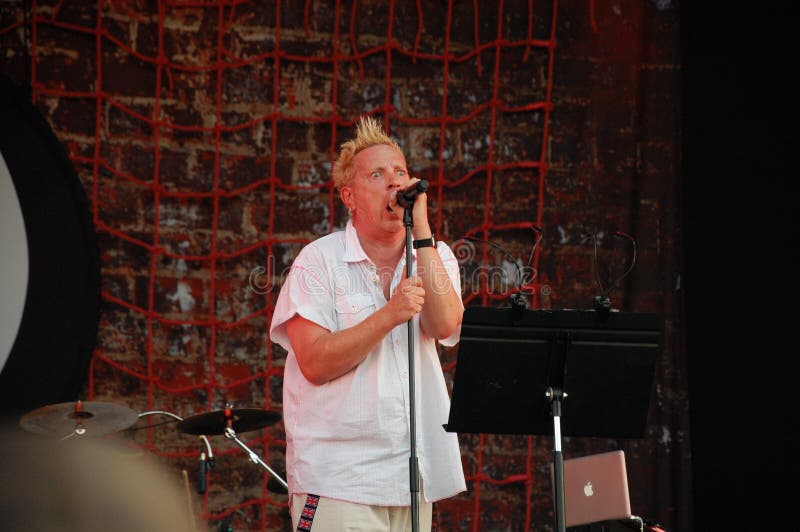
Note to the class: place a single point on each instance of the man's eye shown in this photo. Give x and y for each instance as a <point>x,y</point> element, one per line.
<point>401,172</point>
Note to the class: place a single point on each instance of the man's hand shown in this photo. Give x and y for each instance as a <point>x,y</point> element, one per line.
<point>407,300</point>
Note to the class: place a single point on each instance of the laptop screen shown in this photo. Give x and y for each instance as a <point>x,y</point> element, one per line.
<point>595,488</point>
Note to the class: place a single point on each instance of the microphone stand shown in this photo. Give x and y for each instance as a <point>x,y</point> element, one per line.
<point>413,462</point>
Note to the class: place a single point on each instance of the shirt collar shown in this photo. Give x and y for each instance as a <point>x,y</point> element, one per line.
<point>353,252</point>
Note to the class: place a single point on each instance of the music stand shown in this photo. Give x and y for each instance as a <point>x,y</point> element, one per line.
<point>516,366</point>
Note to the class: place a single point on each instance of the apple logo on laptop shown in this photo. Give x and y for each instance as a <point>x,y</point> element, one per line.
<point>587,489</point>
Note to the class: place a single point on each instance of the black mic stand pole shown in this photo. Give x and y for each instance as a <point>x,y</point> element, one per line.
<point>413,463</point>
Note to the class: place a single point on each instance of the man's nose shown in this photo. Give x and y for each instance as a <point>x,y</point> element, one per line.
<point>394,182</point>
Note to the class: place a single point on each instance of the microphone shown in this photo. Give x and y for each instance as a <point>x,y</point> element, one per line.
<point>602,303</point>
<point>518,301</point>
<point>202,470</point>
<point>629,238</point>
<point>406,198</point>
<point>539,234</point>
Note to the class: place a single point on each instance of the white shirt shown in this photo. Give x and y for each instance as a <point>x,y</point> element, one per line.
<point>348,439</point>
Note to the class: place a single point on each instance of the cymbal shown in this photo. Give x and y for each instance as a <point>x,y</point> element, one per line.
<point>89,418</point>
<point>239,419</point>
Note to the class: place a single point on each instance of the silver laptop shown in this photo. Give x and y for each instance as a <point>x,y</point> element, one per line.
<point>595,489</point>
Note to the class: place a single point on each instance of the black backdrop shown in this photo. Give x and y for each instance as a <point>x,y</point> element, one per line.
<point>739,103</point>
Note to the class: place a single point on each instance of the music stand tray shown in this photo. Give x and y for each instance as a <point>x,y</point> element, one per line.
<point>508,358</point>
<point>520,371</point>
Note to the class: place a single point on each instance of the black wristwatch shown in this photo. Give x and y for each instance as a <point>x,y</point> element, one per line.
<point>424,243</point>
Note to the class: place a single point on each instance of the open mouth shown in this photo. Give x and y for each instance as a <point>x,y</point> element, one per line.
<point>389,207</point>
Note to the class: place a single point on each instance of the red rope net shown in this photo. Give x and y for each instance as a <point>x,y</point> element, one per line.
<point>204,133</point>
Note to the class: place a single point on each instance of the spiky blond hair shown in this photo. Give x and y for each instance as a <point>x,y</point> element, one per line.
<point>369,132</point>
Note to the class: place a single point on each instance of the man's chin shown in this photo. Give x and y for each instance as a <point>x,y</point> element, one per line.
<point>393,225</point>
<point>387,225</point>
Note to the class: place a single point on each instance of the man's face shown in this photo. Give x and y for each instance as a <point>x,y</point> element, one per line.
<point>379,170</point>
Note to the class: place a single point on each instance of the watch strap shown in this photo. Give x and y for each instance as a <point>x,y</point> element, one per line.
<point>424,243</point>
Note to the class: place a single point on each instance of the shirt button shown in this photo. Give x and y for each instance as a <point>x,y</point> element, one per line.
<point>404,374</point>
<point>354,308</point>
<point>374,279</point>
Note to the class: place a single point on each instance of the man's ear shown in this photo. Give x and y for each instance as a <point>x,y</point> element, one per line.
<point>346,194</point>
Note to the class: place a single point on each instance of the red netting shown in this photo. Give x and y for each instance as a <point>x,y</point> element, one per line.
<point>200,202</point>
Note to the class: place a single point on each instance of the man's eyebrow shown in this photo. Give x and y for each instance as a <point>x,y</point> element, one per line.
<point>383,168</point>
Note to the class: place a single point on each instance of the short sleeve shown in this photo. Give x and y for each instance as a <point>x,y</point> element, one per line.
<point>306,292</point>
<point>454,273</point>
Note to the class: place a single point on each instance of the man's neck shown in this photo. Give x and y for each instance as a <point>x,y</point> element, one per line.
<point>383,252</point>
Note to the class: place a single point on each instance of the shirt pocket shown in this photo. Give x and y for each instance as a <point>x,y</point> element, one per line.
<point>352,309</point>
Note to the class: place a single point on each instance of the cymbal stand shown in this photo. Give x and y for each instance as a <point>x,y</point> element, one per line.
<point>231,435</point>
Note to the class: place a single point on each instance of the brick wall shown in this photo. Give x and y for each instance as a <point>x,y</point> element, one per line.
<point>204,134</point>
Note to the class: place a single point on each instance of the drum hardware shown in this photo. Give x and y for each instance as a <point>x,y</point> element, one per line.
<point>217,422</point>
<point>89,418</point>
<point>206,460</point>
<point>95,418</point>
<point>179,418</point>
<point>230,420</point>
<point>231,435</point>
<point>276,486</point>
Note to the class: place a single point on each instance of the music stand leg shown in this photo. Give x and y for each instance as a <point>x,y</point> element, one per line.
<point>555,396</point>
<point>231,435</point>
